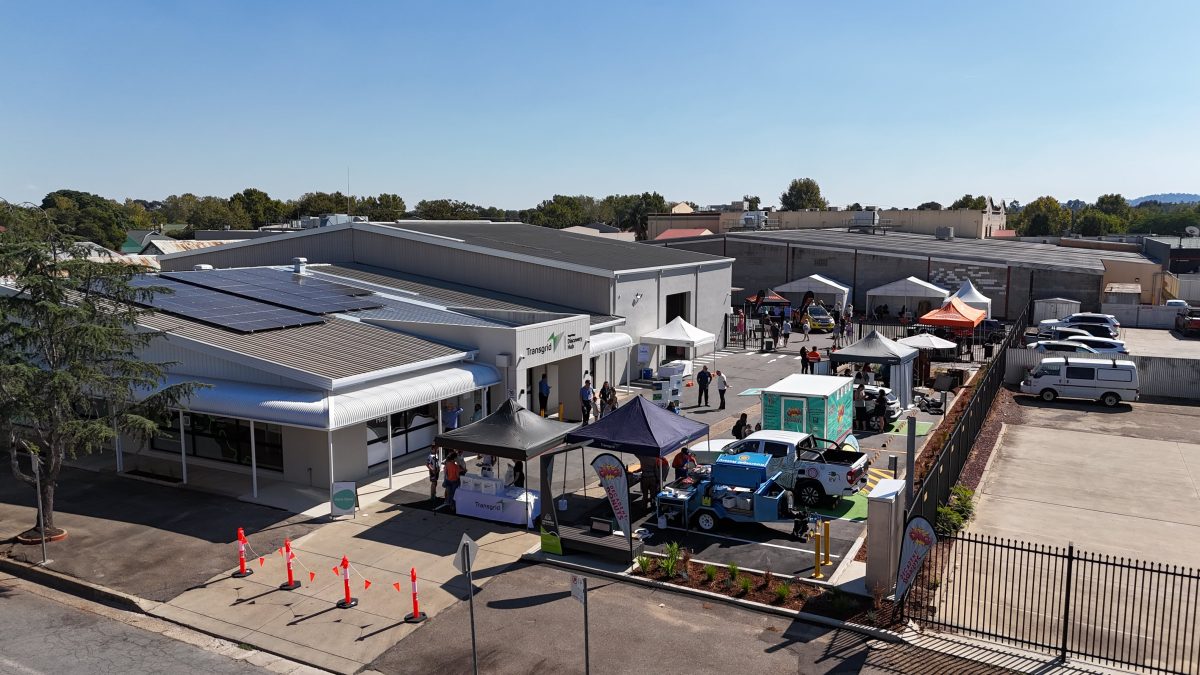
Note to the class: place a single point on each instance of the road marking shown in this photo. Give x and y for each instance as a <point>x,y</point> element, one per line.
<point>13,666</point>
<point>745,541</point>
<point>875,475</point>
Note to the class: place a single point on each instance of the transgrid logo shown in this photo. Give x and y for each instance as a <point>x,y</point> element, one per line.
<point>551,345</point>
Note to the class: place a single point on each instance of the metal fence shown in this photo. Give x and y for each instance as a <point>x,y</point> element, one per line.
<point>1117,611</point>
<point>941,477</point>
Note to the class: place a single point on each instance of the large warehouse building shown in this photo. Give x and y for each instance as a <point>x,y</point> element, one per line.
<point>399,327</point>
<point>1009,272</point>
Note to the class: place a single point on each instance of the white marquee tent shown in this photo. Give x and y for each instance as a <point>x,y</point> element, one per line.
<point>917,296</point>
<point>824,289</point>
<point>972,297</point>
<point>680,333</point>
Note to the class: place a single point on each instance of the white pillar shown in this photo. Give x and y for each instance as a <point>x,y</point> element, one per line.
<point>253,463</point>
<point>183,447</point>
<point>391,450</point>
<point>487,401</point>
<point>628,371</point>
<point>330,440</point>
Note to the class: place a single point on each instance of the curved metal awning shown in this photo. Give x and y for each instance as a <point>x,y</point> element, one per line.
<point>603,343</point>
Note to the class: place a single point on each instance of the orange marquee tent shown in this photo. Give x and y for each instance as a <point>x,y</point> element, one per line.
<point>954,314</point>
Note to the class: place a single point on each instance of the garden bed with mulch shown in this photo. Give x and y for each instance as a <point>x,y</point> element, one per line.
<point>767,589</point>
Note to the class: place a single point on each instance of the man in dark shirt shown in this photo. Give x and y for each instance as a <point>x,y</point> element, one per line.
<point>703,379</point>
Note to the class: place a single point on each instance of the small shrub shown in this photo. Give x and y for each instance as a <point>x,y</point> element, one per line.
<point>768,578</point>
<point>669,566</point>
<point>710,573</point>
<point>962,500</point>
<point>745,584</point>
<point>645,562</point>
<point>948,522</point>
<point>734,572</point>
<point>839,601</point>
<point>783,591</point>
<point>672,550</point>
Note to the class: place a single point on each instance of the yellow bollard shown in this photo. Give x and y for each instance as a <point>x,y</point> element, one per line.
<point>560,412</point>
<point>825,539</point>
<point>817,557</point>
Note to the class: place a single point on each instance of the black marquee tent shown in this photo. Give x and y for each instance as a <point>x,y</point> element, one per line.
<point>875,348</point>
<point>512,432</point>
<point>640,428</point>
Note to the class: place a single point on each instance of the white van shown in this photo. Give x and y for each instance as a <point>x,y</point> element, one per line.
<point>1106,380</point>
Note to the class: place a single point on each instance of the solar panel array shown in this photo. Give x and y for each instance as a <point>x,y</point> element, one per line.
<point>284,289</point>
<point>220,309</point>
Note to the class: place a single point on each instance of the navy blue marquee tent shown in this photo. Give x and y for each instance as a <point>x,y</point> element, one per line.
<point>640,428</point>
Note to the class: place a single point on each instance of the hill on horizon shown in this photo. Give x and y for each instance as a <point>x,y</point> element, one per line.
<point>1168,198</point>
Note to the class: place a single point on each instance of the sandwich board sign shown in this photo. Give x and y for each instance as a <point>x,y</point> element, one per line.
<point>466,547</point>
<point>345,499</point>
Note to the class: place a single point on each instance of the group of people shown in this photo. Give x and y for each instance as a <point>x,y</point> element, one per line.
<point>600,402</point>
<point>742,428</point>
<point>864,414</point>
<point>780,324</point>
<point>704,380</point>
<point>452,469</point>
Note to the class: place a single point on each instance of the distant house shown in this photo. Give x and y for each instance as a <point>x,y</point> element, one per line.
<point>681,232</point>
<point>682,207</point>
<point>167,245</point>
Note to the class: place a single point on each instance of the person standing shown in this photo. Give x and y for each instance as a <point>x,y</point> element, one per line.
<point>543,394</point>
<point>587,399</point>
<point>450,416</point>
<point>774,336</point>
<point>722,385</point>
<point>478,414</point>
<point>680,463</point>
<point>606,394</point>
<point>703,379</point>
<point>804,365</point>
<point>434,465</point>
<point>786,331</point>
<point>741,427</point>
<point>880,411</point>
<point>860,407</point>
<point>455,468</point>
<point>814,359</point>
<point>805,327</point>
<point>848,327</point>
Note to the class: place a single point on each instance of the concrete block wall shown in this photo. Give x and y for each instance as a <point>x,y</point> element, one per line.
<point>875,270</point>
<point>991,280</point>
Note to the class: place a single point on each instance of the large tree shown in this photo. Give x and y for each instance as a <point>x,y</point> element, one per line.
<point>1043,216</point>
<point>258,206</point>
<point>1093,222</point>
<point>753,200</point>
<point>968,201</point>
<point>446,209</point>
<point>802,193</point>
<point>84,216</point>
<point>70,378</point>
<point>1114,205</point>
<point>930,206</point>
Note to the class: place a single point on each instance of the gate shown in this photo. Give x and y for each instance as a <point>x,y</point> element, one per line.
<point>1117,611</point>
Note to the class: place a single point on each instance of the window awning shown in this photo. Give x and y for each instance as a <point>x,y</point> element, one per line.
<point>314,409</point>
<point>603,343</point>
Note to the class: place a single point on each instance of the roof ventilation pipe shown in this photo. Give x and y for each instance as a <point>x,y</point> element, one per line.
<point>300,265</point>
<point>201,268</point>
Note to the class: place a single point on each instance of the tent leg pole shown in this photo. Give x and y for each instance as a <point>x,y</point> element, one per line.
<point>391,450</point>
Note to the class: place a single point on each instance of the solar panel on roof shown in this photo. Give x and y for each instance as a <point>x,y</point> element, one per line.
<point>284,289</point>
<point>219,309</point>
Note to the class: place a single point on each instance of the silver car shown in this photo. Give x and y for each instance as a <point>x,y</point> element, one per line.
<point>1101,345</point>
<point>1043,346</point>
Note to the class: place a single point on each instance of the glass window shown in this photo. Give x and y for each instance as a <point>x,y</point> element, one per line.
<point>223,439</point>
<point>1115,375</point>
<point>1048,369</point>
<point>775,449</point>
<point>167,438</point>
<point>377,430</point>
<point>1080,373</point>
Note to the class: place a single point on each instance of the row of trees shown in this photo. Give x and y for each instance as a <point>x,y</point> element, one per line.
<point>1109,214</point>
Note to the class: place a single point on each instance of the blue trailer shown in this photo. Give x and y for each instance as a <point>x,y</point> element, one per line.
<point>739,488</point>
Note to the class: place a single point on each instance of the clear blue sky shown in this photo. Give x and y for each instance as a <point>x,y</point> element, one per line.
<point>507,103</point>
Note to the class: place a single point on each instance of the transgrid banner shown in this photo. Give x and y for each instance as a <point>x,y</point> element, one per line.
<point>612,478</point>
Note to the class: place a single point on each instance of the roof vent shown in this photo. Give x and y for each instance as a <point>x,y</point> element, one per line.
<point>201,268</point>
<point>300,265</point>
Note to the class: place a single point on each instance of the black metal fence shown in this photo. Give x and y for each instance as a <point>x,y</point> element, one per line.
<point>1117,611</point>
<point>941,477</point>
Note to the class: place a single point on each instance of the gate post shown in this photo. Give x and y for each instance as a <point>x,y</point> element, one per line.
<point>1066,618</point>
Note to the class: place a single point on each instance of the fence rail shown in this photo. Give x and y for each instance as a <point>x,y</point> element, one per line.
<point>941,477</point>
<point>1117,611</point>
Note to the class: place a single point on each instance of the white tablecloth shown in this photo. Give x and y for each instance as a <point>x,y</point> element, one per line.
<point>509,507</point>
<point>683,368</point>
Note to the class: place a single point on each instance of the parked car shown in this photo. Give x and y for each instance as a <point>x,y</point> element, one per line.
<point>1188,321</point>
<point>1043,346</point>
<point>990,331</point>
<point>1177,303</point>
<point>1062,333</point>
<point>1079,319</point>
<point>1102,345</point>
<point>1099,330</point>
<point>1106,380</point>
<point>871,392</point>
<point>819,319</point>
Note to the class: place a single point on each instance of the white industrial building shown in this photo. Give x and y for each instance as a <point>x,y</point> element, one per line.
<point>449,315</point>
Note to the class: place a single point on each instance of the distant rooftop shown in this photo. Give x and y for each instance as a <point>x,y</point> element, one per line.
<point>1178,242</point>
<point>1018,253</point>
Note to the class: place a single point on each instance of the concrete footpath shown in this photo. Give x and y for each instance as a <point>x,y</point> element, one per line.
<point>383,543</point>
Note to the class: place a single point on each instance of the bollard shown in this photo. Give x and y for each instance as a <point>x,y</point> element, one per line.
<point>817,557</point>
<point>347,602</point>
<point>825,541</point>
<point>291,584</point>
<point>242,571</point>
<point>560,412</point>
<point>417,615</point>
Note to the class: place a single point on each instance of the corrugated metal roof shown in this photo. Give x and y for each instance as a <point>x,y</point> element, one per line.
<point>1017,253</point>
<point>168,246</point>
<point>445,293</point>
<point>335,350</point>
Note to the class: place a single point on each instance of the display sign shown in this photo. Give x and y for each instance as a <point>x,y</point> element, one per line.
<point>919,537</point>
<point>770,412</point>
<point>643,355</point>
<point>793,415</point>
<point>344,500</point>
<point>464,557</point>
<point>550,539</point>
<point>579,587</point>
<point>615,484</point>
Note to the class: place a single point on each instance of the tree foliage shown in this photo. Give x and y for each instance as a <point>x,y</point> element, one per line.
<point>1043,216</point>
<point>69,371</point>
<point>83,216</point>
<point>968,201</point>
<point>1093,222</point>
<point>802,193</point>
<point>930,206</point>
<point>1114,205</point>
<point>754,202</point>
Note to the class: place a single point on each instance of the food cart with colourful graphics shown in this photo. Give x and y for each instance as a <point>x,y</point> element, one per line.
<point>821,405</point>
